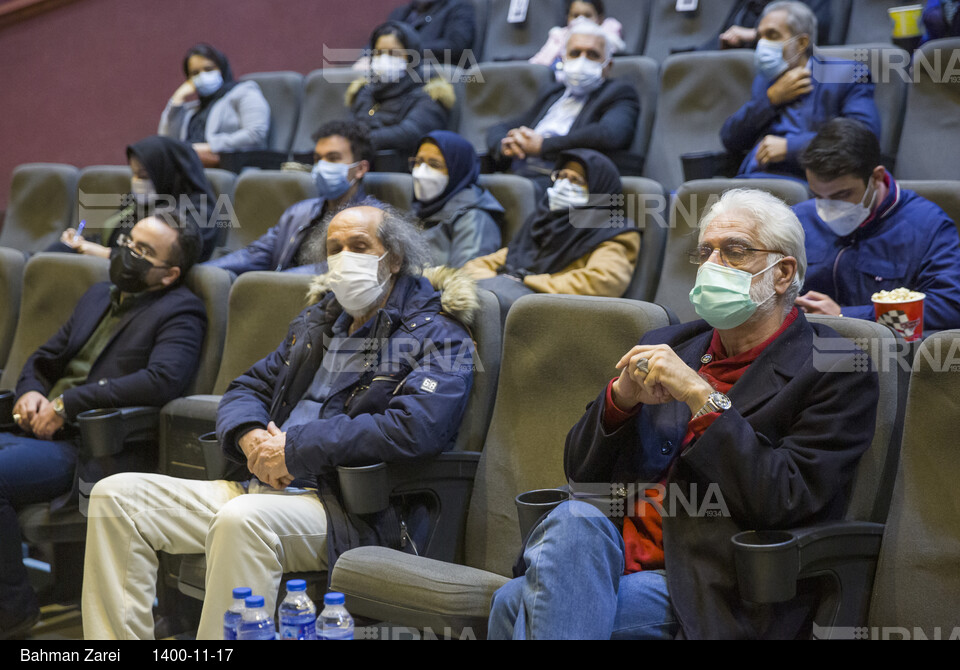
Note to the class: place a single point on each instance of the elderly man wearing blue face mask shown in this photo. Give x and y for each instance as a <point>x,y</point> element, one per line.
<point>734,402</point>
<point>793,95</point>
<point>585,109</point>
<point>866,234</point>
<point>343,156</point>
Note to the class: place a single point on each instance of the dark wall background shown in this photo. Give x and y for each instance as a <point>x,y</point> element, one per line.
<point>81,82</point>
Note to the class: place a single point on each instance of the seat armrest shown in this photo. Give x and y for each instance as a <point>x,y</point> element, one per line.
<point>105,432</point>
<point>709,164</point>
<point>447,479</point>
<point>770,563</point>
<point>367,489</point>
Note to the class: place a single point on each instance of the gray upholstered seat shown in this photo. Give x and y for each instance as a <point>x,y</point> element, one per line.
<point>669,29</point>
<point>40,206</point>
<point>546,381</point>
<point>945,194</point>
<point>283,91</point>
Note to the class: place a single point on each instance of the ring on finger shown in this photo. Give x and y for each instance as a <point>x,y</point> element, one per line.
<point>643,365</point>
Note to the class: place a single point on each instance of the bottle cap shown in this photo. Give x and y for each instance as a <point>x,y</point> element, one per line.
<point>253,601</point>
<point>333,598</point>
<point>297,585</point>
<point>241,592</point>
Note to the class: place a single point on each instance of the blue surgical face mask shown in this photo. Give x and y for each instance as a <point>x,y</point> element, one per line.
<point>208,83</point>
<point>769,59</point>
<point>721,295</point>
<point>332,179</point>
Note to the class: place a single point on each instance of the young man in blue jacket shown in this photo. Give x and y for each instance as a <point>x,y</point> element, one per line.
<point>378,368</point>
<point>342,157</point>
<point>793,95</point>
<point>132,341</point>
<point>865,234</point>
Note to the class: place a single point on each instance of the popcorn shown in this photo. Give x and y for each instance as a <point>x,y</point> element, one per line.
<point>897,295</point>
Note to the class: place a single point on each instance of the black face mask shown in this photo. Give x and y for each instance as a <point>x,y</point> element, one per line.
<point>127,272</point>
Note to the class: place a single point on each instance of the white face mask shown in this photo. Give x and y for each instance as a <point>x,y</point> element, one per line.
<point>844,217</point>
<point>564,195</point>
<point>355,280</point>
<point>582,75</point>
<point>208,83</point>
<point>428,183</point>
<point>387,69</point>
<point>142,189</point>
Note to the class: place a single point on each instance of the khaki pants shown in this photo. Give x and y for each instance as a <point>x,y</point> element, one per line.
<point>250,537</point>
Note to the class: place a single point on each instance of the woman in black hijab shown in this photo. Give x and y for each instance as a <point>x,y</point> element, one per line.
<point>166,173</point>
<point>226,115</point>
<point>392,101</point>
<point>577,242</point>
<point>461,219</point>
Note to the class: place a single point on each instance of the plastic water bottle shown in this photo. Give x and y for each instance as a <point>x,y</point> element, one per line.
<point>233,616</point>
<point>298,614</point>
<point>335,621</point>
<point>257,624</point>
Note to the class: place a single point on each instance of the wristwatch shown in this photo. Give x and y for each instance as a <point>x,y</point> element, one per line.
<point>59,408</point>
<point>716,402</point>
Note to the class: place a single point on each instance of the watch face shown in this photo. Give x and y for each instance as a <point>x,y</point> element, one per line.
<point>720,401</point>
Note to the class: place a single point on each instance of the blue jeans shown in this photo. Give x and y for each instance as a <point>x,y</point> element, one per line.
<point>574,586</point>
<point>31,471</point>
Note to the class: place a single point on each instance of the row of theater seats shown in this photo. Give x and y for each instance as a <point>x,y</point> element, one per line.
<point>43,204</point>
<point>684,103</point>
<point>903,507</point>
<point>654,27</point>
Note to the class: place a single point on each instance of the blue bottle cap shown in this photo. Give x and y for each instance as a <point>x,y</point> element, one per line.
<point>253,601</point>
<point>241,592</point>
<point>333,598</point>
<point>297,585</point>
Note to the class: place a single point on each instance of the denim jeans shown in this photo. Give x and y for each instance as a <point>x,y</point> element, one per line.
<point>31,471</point>
<point>574,586</point>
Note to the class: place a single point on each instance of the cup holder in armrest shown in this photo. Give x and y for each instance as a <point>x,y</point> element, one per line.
<point>767,565</point>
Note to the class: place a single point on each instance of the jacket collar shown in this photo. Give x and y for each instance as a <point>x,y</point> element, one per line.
<point>780,362</point>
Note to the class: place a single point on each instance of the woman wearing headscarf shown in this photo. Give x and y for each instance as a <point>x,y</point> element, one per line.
<point>461,219</point>
<point>392,101</point>
<point>577,242</point>
<point>225,116</point>
<point>166,174</point>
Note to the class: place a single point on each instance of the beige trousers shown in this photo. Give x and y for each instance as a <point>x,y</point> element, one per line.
<point>250,537</point>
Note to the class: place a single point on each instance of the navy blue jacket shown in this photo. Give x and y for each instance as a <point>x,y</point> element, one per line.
<point>446,25</point>
<point>909,243</point>
<point>407,401</point>
<point>277,248</point>
<point>783,456</point>
<point>837,92</point>
<point>607,123</point>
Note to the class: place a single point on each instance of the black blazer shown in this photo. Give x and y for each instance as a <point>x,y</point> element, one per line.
<point>149,361</point>
<point>782,457</point>
<point>607,123</point>
<point>449,25</point>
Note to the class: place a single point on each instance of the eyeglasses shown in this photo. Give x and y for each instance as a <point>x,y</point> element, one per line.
<point>569,175</point>
<point>138,251</point>
<point>733,255</point>
<point>416,162</point>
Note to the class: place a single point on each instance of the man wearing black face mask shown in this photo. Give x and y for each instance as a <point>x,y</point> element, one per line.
<point>132,341</point>
<point>866,234</point>
<point>342,157</point>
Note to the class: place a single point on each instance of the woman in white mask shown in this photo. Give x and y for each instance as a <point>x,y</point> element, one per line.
<point>395,102</point>
<point>212,111</point>
<point>576,242</point>
<point>461,219</point>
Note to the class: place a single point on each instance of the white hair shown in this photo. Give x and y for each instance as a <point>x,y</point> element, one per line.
<point>775,227</point>
<point>584,26</point>
<point>800,18</point>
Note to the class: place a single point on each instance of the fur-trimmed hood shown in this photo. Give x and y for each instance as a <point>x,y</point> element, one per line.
<point>437,88</point>
<point>458,292</point>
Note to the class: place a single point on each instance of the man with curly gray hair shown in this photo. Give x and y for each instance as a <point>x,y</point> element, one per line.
<point>378,368</point>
